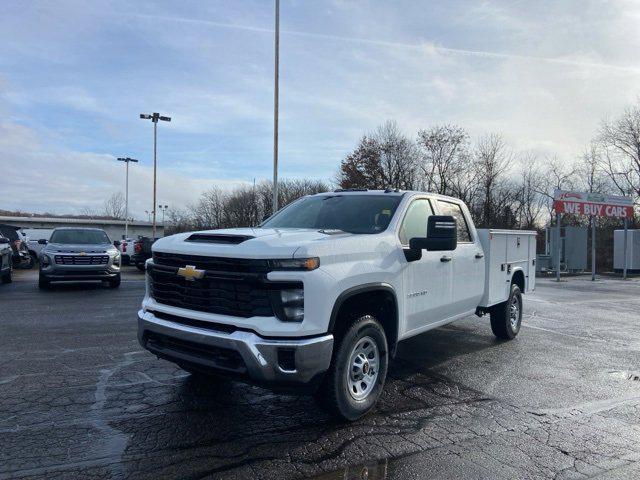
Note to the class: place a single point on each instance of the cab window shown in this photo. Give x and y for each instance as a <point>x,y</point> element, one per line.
<point>454,210</point>
<point>414,223</point>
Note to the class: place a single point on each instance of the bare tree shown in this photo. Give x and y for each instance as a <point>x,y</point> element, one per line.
<point>529,203</point>
<point>557,174</point>
<point>398,157</point>
<point>620,140</point>
<point>590,176</point>
<point>180,220</point>
<point>114,206</point>
<point>443,159</point>
<point>385,158</point>
<point>493,161</point>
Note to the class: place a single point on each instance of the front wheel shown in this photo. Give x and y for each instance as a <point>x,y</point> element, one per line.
<point>43,282</point>
<point>6,278</point>
<point>358,369</point>
<point>115,282</point>
<point>506,317</point>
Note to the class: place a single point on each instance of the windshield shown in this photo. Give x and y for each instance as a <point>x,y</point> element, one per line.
<point>349,213</point>
<point>79,237</point>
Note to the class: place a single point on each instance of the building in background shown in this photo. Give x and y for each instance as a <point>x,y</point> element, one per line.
<point>114,228</point>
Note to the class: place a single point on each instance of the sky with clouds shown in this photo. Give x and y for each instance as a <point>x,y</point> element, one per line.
<point>74,76</point>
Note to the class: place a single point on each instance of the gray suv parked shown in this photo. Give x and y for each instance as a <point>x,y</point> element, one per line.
<point>79,254</point>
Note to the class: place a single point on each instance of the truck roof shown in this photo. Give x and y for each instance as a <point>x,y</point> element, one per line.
<point>394,192</point>
<point>79,228</point>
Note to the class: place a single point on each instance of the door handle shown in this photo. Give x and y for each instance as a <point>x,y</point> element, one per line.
<point>445,258</point>
<point>479,255</point>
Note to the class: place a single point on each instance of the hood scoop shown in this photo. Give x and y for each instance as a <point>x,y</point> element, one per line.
<point>218,238</point>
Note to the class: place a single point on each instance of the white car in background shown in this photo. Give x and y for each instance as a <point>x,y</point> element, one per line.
<point>125,247</point>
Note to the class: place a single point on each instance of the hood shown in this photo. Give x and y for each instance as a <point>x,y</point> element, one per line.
<point>245,242</point>
<point>77,248</point>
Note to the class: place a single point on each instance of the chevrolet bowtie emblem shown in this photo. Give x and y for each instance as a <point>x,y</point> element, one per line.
<point>190,272</point>
<point>82,254</point>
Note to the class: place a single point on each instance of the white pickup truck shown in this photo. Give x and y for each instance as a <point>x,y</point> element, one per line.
<point>318,296</point>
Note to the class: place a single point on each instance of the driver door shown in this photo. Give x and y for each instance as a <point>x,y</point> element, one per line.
<point>428,282</point>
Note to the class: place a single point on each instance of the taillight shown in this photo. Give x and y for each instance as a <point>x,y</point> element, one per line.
<point>124,247</point>
<point>137,247</point>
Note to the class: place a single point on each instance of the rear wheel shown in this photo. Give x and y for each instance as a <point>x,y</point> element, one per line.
<point>358,369</point>
<point>506,317</point>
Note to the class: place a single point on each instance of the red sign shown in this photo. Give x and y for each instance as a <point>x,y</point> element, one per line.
<point>599,205</point>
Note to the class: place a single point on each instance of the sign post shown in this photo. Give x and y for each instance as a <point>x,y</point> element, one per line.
<point>559,240</point>
<point>594,205</point>
<point>626,231</point>
<point>593,248</point>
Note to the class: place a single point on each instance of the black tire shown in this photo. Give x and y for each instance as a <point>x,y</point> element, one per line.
<point>505,321</point>
<point>115,282</point>
<point>6,278</point>
<point>140,266</point>
<point>335,391</point>
<point>43,282</point>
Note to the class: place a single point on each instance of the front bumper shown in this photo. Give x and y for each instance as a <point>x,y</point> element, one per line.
<point>298,363</point>
<point>73,275</point>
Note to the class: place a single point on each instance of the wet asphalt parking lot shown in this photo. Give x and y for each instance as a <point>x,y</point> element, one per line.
<point>80,399</point>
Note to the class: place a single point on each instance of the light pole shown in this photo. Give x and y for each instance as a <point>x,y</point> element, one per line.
<point>163,208</point>
<point>154,117</point>
<point>126,195</point>
<point>275,109</point>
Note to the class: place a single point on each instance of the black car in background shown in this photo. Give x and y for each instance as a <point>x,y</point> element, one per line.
<point>21,256</point>
<point>6,261</point>
<point>141,252</point>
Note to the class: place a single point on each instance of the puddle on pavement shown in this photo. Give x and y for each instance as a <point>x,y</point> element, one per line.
<point>367,471</point>
<point>623,375</point>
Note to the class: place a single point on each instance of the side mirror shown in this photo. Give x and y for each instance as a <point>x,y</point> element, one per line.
<point>442,235</point>
<point>116,243</point>
<point>4,240</point>
<point>42,241</point>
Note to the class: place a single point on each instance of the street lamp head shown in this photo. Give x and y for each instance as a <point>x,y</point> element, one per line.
<point>145,116</point>
<point>165,119</point>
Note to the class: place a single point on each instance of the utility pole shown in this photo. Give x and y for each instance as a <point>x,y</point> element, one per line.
<point>154,117</point>
<point>126,195</point>
<point>275,109</point>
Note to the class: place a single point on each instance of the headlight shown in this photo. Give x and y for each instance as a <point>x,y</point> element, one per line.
<point>295,263</point>
<point>290,305</point>
<point>45,260</point>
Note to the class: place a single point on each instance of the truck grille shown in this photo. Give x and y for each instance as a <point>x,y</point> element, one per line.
<point>82,259</point>
<point>230,286</point>
<point>238,265</point>
<point>225,297</point>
